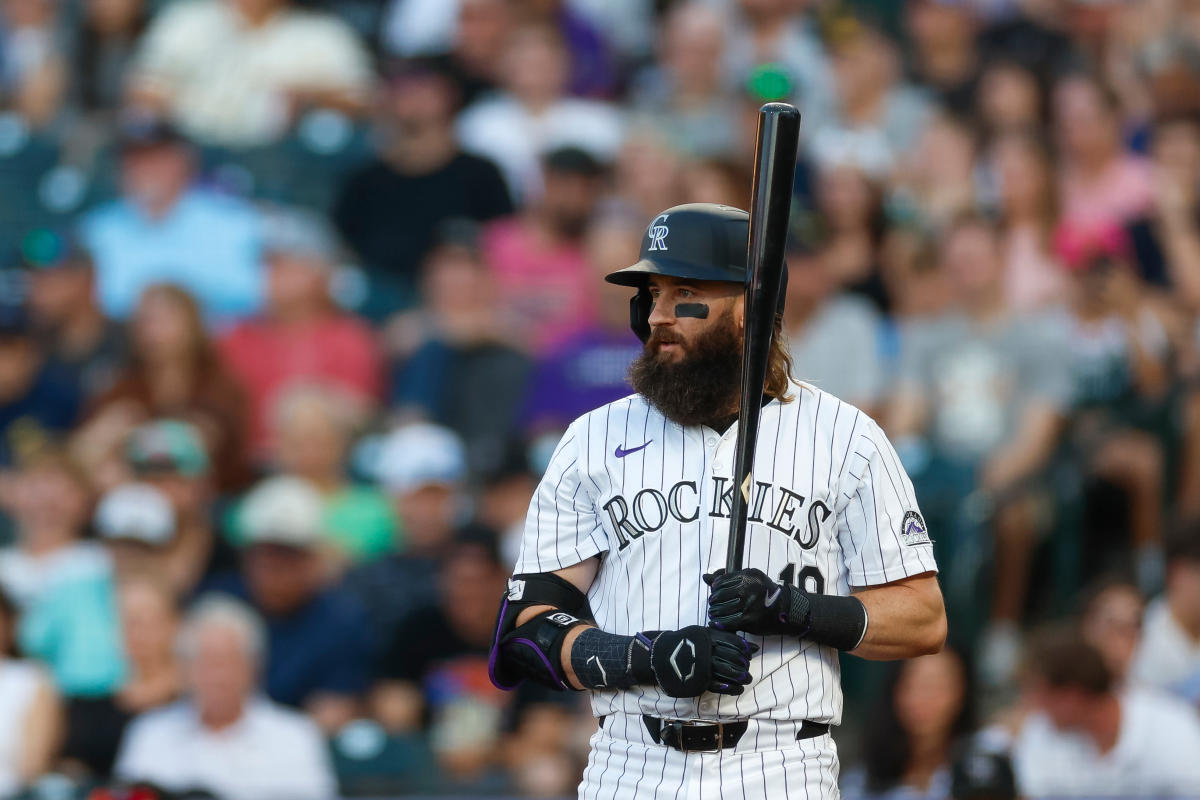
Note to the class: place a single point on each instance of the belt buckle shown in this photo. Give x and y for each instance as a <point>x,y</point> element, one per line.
<point>680,724</point>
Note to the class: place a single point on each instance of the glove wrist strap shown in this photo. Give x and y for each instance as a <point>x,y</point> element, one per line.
<point>833,620</point>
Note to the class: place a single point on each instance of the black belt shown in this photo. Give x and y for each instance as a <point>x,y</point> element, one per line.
<point>694,736</point>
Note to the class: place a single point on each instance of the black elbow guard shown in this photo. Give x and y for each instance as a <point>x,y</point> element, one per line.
<point>533,650</point>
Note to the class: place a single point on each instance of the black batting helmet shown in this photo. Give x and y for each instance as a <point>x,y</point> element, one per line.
<point>702,241</point>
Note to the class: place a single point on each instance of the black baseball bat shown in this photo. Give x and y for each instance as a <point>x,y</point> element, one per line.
<point>774,172</point>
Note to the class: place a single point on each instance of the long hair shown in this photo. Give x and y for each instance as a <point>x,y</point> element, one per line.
<point>779,365</point>
<point>202,354</point>
<point>887,749</point>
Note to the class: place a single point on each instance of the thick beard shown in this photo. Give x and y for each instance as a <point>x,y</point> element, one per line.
<point>702,387</point>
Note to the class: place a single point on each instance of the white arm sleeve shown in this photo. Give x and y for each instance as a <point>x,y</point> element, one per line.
<point>562,527</point>
<point>881,530</point>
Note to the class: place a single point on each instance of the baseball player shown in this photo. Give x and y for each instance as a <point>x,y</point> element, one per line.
<point>709,684</point>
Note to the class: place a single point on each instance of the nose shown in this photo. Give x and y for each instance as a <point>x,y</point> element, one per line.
<point>661,313</point>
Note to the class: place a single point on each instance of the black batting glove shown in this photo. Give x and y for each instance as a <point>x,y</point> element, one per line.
<point>749,601</point>
<point>694,660</point>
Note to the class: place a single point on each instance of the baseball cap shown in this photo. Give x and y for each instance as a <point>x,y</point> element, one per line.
<point>136,512</point>
<point>421,454</point>
<point>981,775</point>
<point>45,249</point>
<point>1078,245</point>
<point>571,160</point>
<point>703,241</point>
<point>15,322</point>
<point>167,445</point>
<point>283,510</point>
<point>297,232</point>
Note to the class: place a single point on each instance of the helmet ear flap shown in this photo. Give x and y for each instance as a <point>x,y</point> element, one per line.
<point>639,313</point>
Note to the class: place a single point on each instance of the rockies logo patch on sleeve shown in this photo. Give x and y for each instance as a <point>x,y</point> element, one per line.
<point>913,530</point>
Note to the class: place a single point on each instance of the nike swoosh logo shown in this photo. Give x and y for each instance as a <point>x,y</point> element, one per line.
<point>773,595</point>
<point>620,453</point>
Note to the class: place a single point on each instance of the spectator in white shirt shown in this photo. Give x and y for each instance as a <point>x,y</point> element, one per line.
<point>1169,655</point>
<point>225,738</point>
<point>238,72</point>
<point>533,115</point>
<point>1085,737</point>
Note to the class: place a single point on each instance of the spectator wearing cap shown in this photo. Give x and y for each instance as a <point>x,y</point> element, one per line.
<point>455,343</point>
<point>533,115</point>
<point>434,671</point>
<point>39,399</point>
<point>301,336</point>
<point>1117,354</point>
<point>137,525</point>
<point>169,457</point>
<point>537,257</point>
<point>423,468</point>
<point>61,583</point>
<point>164,228</point>
<point>1169,654</point>
<point>64,311</point>
<point>390,209</point>
<point>30,711</point>
<point>225,739</point>
<point>149,626</point>
<point>319,642</point>
<point>312,429</point>
<point>175,372</point>
<point>239,72</point>
<point>1087,737</point>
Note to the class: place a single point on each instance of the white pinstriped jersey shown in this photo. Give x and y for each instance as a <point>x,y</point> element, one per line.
<point>831,507</point>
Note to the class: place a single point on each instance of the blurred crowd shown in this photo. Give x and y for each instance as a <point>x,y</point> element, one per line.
<point>296,297</point>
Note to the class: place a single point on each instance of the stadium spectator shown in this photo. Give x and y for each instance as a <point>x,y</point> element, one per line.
<point>175,372</point>
<point>301,336</point>
<point>1166,239</point>
<point>95,725</point>
<point>239,72</point>
<point>312,430</point>
<point>62,584</point>
<point>877,116</point>
<point>1009,98</point>
<point>225,738</point>
<point>456,343</point>
<point>390,209</point>
<point>850,206</point>
<point>170,456</point>
<point>32,67</point>
<point>29,711</point>
<point>514,128</point>
<point>1088,737</point>
<point>137,525</point>
<point>979,403</point>
<point>103,49</point>
<point>945,56</point>
<point>770,32</point>
<point>63,309</point>
<point>537,257</point>
<point>647,176</point>
<point>442,685</point>
<point>926,711</point>
<point>684,95</point>
<point>423,467</point>
<point>1169,654</point>
<point>834,336</point>
<point>319,641</point>
<point>1028,210</point>
<point>936,179</point>
<point>1100,181</point>
<point>1118,355</point>
<point>1111,622</point>
<point>588,369</point>
<point>39,400</point>
<point>167,229</point>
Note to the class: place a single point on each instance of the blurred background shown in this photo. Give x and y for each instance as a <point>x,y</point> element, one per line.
<point>297,296</point>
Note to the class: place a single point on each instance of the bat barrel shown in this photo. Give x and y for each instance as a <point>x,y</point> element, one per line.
<point>774,172</point>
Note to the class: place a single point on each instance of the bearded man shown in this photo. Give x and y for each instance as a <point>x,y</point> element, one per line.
<point>703,679</point>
